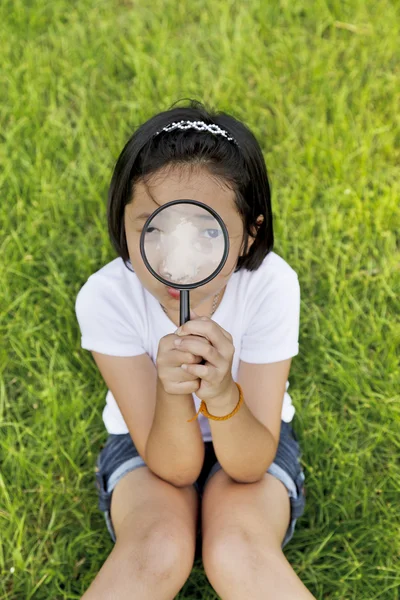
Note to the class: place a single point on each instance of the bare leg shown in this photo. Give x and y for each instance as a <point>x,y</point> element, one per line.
<point>128,573</point>
<point>243,528</point>
<point>155,525</point>
<point>260,576</point>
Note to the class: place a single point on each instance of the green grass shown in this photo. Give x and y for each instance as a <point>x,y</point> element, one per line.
<point>318,83</point>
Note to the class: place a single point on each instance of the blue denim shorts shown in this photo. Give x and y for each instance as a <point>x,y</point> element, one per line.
<point>119,456</point>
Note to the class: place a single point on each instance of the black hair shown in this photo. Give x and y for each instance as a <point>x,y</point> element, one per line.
<point>242,168</point>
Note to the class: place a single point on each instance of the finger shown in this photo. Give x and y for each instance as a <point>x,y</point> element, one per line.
<point>185,356</point>
<point>205,372</point>
<point>199,338</point>
<point>187,387</point>
<point>185,351</point>
<point>178,375</point>
<point>206,351</point>
<point>183,375</point>
<point>219,338</point>
<point>214,324</point>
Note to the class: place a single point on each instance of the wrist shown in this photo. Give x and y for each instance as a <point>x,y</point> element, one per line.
<point>225,403</point>
<point>170,398</point>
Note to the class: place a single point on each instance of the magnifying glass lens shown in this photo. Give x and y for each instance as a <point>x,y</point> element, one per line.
<point>184,244</point>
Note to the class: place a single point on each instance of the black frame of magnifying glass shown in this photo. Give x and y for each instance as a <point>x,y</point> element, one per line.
<point>184,288</point>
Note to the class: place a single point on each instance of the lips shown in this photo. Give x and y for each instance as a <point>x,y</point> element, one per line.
<point>173,292</point>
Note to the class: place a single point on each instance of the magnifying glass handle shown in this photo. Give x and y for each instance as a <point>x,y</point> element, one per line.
<point>185,311</point>
<point>184,307</point>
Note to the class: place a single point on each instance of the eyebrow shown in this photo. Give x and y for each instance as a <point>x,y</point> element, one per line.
<point>144,216</point>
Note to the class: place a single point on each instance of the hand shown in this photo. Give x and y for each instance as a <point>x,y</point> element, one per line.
<point>169,359</point>
<point>216,347</point>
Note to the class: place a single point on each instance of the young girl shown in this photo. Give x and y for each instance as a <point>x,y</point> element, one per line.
<point>201,459</point>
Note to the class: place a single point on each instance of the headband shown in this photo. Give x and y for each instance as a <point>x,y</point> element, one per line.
<point>200,126</point>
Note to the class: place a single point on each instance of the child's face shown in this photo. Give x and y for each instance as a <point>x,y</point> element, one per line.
<point>180,183</point>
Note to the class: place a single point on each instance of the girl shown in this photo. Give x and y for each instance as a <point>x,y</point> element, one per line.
<point>201,459</point>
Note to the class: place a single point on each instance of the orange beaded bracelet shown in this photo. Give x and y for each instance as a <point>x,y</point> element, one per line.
<point>204,411</point>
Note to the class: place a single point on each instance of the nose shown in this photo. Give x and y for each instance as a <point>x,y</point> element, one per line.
<point>164,272</point>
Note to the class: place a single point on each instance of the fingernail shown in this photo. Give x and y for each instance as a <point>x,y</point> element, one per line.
<point>177,342</point>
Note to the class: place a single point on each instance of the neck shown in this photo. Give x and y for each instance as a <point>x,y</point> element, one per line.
<point>205,309</point>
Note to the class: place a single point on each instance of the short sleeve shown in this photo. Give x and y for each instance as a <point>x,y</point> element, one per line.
<point>272,332</point>
<point>102,318</point>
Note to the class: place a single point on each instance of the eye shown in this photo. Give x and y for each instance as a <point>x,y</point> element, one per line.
<point>214,233</point>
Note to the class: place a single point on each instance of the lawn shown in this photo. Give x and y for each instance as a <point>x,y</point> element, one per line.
<point>318,83</point>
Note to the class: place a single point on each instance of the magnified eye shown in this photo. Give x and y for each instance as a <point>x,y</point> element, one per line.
<point>151,229</point>
<point>214,233</point>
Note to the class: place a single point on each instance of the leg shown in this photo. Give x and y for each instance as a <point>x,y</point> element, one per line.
<point>244,525</point>
<point>155,528</point>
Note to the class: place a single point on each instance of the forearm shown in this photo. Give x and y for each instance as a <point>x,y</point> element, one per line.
<point>175,448</point>
<point>243,446</point>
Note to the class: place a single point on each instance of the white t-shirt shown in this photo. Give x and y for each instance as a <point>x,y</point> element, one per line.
<point>260,309</point>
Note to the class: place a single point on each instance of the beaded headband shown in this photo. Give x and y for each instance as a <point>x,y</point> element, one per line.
<point>200,126</point>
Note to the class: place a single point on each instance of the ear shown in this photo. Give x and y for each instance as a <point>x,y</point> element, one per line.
<point>255,227</point>
<point>254,230</point>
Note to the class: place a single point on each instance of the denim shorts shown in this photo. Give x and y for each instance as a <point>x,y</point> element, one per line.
<point>119,456</point>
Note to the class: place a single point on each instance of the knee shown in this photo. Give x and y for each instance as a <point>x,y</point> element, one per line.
<point>163,549</point>
<point>232,554</point>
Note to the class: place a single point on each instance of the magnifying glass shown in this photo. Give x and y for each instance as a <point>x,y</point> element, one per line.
<point>184,244</point>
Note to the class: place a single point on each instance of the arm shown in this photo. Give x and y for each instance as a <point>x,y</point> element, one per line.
<point>244,446</point>
<point>246,443</point>
<point>174,448</point>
